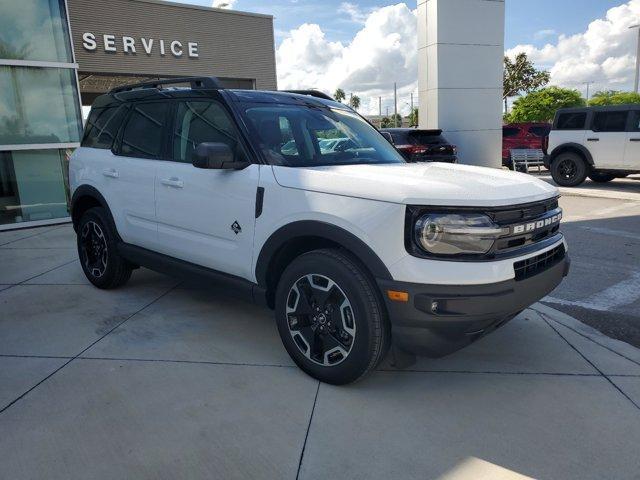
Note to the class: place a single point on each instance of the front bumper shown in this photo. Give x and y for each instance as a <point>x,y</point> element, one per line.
<point>440,319</point>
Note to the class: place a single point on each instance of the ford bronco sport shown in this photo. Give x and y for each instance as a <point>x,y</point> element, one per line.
<point>356,250</point>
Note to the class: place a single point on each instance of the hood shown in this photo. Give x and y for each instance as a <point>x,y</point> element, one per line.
<point>419,184</point>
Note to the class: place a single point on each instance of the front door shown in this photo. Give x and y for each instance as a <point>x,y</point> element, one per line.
<point>607,139</point>
<point>206,216</point>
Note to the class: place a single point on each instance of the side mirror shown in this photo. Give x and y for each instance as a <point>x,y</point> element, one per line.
<point>216,156</point>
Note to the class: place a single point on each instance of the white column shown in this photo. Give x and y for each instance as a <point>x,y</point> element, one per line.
<point>460,55</point>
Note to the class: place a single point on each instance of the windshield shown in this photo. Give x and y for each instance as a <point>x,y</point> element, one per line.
<point>309,136</point>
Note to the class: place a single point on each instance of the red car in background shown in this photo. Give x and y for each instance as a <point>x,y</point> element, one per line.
<point>523,136</point>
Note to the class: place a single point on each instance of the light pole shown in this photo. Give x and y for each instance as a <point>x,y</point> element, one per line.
<point>635,87</point>
<point>588,84</point>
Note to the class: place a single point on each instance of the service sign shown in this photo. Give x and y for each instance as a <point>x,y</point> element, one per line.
<point>139,45</point>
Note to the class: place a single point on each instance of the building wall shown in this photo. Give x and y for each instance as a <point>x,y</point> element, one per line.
<point>230,44</point>
<point>39,112</point>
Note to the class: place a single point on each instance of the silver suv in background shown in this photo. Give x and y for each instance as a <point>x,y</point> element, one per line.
<point>601,143</point>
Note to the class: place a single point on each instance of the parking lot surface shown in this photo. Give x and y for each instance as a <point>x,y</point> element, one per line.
<point>163,380</point>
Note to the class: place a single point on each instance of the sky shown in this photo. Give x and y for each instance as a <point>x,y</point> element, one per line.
<point>364,46</point>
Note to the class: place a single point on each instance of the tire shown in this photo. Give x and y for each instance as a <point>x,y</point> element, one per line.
<point>599,177</point>
<point>100,261</point>
<point>330,317</point>
<point>569,169</point>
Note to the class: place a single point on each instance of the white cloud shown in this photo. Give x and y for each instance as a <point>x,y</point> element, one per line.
<point>544,33</point>
<point>223,3</point>
<point>604,53</point>
<point>384,50</point>
<point>353,12</point>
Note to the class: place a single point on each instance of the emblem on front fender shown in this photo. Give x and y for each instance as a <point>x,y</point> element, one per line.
<point>235,226</point>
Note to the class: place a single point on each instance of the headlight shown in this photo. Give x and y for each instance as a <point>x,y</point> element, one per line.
<point>456,234</point>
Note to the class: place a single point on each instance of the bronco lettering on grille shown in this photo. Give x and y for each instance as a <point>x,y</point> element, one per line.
<point>533,226</point>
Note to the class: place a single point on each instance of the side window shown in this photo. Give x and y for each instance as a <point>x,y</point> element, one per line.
<point>143,134</point>
<point>610,121</point>
<point>572,121</point>
<point>540,131</point>
<point>198,122</point>
<point>635,123</point>
<point>510,132</point>
<point>102,126</point>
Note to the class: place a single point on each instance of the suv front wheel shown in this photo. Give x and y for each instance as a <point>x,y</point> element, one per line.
<point>569,170</point>
<point>100,261</point>
<point>330,317</point>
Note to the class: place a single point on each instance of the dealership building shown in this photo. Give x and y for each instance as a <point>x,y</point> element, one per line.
<point>57,55</point>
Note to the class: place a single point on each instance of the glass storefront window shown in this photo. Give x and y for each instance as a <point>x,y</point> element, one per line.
<point>38,105</point>
<point>33,185</point>
<point>34,30</point>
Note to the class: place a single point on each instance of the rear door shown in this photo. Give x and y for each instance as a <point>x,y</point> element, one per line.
<point>206,216</point>
<point>632,149</point>
<point>511,138</point>
<point>607,138</point>
<point>131,171</point>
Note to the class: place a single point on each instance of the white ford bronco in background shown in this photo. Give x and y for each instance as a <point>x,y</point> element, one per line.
<point>601,143</point>
<point>356,250</point>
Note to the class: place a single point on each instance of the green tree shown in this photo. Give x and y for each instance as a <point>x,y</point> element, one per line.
<point>354,102</point>
<point>396,120</point>
<point>520,76</point>
<point>413,118</point>
<point>613,97</point>
<point>541,105</point>
<point>385,122</point>
<point>339,95</point>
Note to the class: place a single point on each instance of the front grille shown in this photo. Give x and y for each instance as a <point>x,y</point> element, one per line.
<point>523,213</point>
<point>532,266</point>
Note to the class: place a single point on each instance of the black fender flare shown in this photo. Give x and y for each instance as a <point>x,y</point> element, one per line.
<point>571,146</point>
<point>90,191</point>
<point>323,230</point>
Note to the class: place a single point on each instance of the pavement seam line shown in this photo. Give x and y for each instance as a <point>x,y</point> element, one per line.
<point>23,283</point>
<point>306,436</point>
<point>34,235</point>
<point>592,340</point>
<point>592,364</point>
<point>10,404</point>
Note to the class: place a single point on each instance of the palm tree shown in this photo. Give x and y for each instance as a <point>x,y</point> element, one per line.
<point>354,102</point>
<point>339,95</point>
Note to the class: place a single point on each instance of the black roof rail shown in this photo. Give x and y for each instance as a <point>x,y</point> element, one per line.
<point>211,83</point>
<point>311,93</point>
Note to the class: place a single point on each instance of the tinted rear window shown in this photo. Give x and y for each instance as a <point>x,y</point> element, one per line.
<point>426,138</point>
<point>102,126</point>
<point>610,121</point>
<point>143,133</point>
<point>399,138</point>
<point>572,121</point>
<point>540,131</point>
<point>510,131</point>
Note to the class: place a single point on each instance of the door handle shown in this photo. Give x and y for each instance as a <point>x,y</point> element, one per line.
<point>110,172</point>
<point>593,139</point>
<point>172,182</point>
<point>634,139</point>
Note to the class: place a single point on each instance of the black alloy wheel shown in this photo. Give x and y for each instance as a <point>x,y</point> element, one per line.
<point>569,170</point>
<point>320,319</point>
<point>93,249</point>
<point>97,239</point>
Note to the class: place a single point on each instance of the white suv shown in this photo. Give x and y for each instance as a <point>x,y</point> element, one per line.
<point>355,249</point>
<point>601,143</point>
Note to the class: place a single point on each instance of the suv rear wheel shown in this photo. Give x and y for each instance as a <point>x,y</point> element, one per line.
<point>330,317</point>
<point>569,169</point>
<point>97,251</point>
<point>600,177</point>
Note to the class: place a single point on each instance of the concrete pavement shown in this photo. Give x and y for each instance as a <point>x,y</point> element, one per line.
<point>162,380</point>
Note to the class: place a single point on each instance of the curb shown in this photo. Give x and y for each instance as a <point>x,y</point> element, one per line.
<point>619,347</point>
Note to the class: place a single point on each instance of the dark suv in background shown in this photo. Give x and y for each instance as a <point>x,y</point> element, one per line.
<point>421,145</point>
<point>523,136</point>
